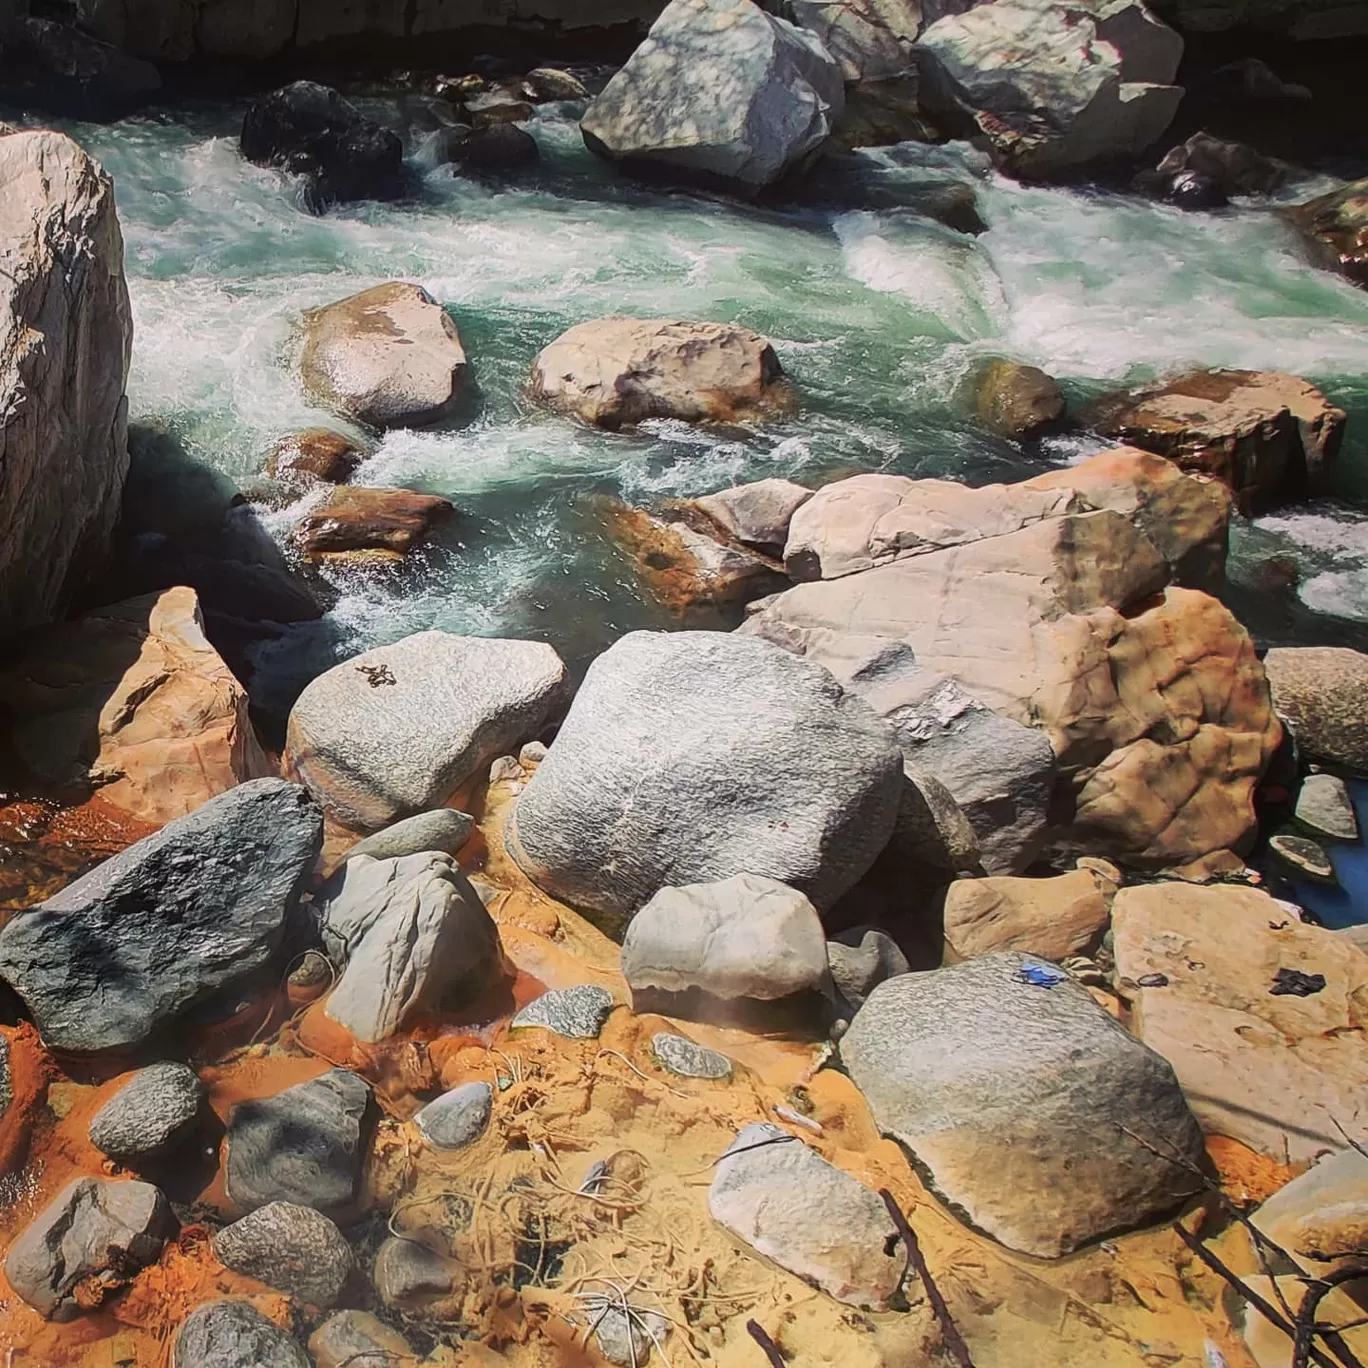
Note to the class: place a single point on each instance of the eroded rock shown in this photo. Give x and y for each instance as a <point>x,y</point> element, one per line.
<point>150,1114</point>
<point>576,1013</point>
<point>1336,227</point>
<point>289,1247</point>
<point>234,1334</point>
<point>444,829</point>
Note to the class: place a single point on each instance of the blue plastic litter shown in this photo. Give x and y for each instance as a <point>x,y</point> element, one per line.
<point>1041,975</point>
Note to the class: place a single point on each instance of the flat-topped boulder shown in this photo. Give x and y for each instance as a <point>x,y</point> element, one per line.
<point>314,456</point>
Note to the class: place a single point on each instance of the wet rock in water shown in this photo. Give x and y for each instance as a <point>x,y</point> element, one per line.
<point>1016,401</point>
<point>169,924</point>
<point>397,730</point>
<point>150,1114</point>
<point>619,371</point>
<point>576,1013</point>
<point>757,514</point>
<point>444,829</point>
<point>291,1248</point>
<point>356,1339</point>
<point>688,757</point>
<point>1325,807</point>
<point>1224,168</point>
<point>687,1059</point>
<point>546,84</point>
<point>1270,437</point>
<point>1304,857</point>
<point>59,67</point>
<point>388,357</point>
<point>311,130</point>
<point>719,91</point>
<point>1014,1089</point>
<point>132,702</point>
<point>1322,692</point>
<point>786,1202</point>
<point>628,1338</point>
<point>66,331</point>
<point>496,147</point>
<point>861,959</point>
<point>1276,1071</point>
<point>408,1273</point>
<point>90,1240</point>
<point>724,947</point>
<point>458,1118</point>
<point>1053,87</point>
<point>1054,918</point>
<point>1336,228</point>
<point>234,1334</point>
<point>493,108</point>
<point>303,1145</point>
<point>1321,1216</point>
<point>356,523</point>
<point>314,456</point>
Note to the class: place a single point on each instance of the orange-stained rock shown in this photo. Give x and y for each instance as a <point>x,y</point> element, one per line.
<point>134,702</point>
<point>358,522</point>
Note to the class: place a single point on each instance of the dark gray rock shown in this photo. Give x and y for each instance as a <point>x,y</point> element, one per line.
<point>688,757</point>
<point>1014,1090</point>
<point>234,1334</point>
<point>576,1013</point>
<point>457,1118</point>
<point>687,1058</point>
<point>303,1145</point>
<point>356,1339</point>
<point>91,1229</point>
<point>1304,856</point>
<point>445,829</point>
<point>150,1114</point>
<point>168,924</point>
<point>59,67</point>
<point>861,959</point>
<point>291,1248</point>
<point>408,1273</point>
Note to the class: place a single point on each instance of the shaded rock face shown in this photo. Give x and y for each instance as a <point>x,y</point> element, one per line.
<point>388,357</point>
<point>291,1248</point>
<point>719,91</point>
<point>90,1239</point>
<point>150,1114</point>
<point>1278,1072</point>
<point>1205,172</point>
<point>409,1274</point>
<point>1269,437</point>
<point>618,371</point>
<point>167,925</point>
<point>57,67</point>
<point>310,129</point>
<point>1016,401</point>
<point>871,41</point>
<point>397,730</point>
<point>1016,1097</point>
<point>65,336</point>
<point>133,701</point>
<point>861,959</point>
<point>357,524</point>
<point>689,757</point>
<point>1322,691</point>
<point>496,147</point>
<point>1053,87</point>
<point>234,1334</point>
<point>1336,227</point>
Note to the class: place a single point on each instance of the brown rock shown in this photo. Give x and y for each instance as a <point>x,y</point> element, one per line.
<point>487,108</point>
<point>1270,437</point>
<point>550,83</point>
<point>378,524</point>
<point>1016,401</point>
<point>316,455</point>
<point>1322,691</point>
<point>1273,1070</point>
<point>1336,225</point>
<point>132,700</point>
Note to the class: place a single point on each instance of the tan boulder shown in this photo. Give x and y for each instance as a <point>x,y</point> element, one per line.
<point>134,702</point>
<point>618,371</point>
<point>1322,691</point>
<point>1278,1071</point>
<point>360,523</point>
<point>1321,1217</point>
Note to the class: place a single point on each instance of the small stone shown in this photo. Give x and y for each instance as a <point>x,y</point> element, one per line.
<point>1305,857</point>
<point>576,1013</point>
<point>1152,981</point>
<point>406,1270</point>
<point>313,971</point>
<point>457,1118</point>
<point>314,456</point>
<point>628,1340</point>
<point>234,1334</point>
<point>291,1248</point>
<point>506,770</point>
<point>1325,807</point>
<point>861,959</point>
<point>149,1114</point>
<point>356,1339</point>
<point>687,1059</point>
<point>532,754</point>
<point>443,829</point>
<point>6,1078</point>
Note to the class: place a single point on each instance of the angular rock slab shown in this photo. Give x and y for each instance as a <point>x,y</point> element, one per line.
<point>1325,805</point>
<point>302,1146</point>
<point>150,1114</point>
<point>757,514</point>
<point>234,1334</point>
<point>720,91</point>
<point>167,924</point>
<point>395,731</point>
<point>1012,1094</point>
<point>786,1202</point>
<point>91,1229</point>
<point>458,1118</point>
<point>688,757</point>
<point>576,1013</point>
<point>292,1248</point>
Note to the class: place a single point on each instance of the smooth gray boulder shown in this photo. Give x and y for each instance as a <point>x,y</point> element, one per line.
<point>1021,1098</point>
<point>412,934</point>
<point>1325,806</point>
<point>168,924</point>
<point>91,1230</point>
<point>445,829</point>
<point>786,1202</point>
<point>688,757</point>
<point>303,1145</point>
<point>687,1059</point>
<point>397,730</point>
<point>234,1334</point>
<point>722,91</point>
<point>861,959</point>
<point>150,1114</point>
<point>458,1118</point>
<point>576,1013</point>
<point>291,1248</point>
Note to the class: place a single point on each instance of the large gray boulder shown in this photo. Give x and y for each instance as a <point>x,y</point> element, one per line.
<point>1035,1113</point>
<point>397,730</point>
<point>289,1247</point>
<point>65,339</point>
<point>234,1334</point>
<point>150,1114</point>
<point>871,39</point>
<point>722,91</point>
<point>688,757</point>
<point>413,935</point>
<point>168,924</point>
<point>1054,86</point>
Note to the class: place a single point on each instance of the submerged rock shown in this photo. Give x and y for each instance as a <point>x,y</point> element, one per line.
<point>1016,401</point>
<point>1325,806</point>
<point>234,1334</point>
<point>167,925</point>
<point>1322,691</point>
<point>1224,169</point>
<point>687,1059</point>
<point>1336,227</point>
<point>289,1247</point>
<point>496,147</point>
<point>356,523</point>
<point>444,829</point>
<point>550,83</point>
<point>576,1013</point>
<point>150,1114</point>
<point>458,1118</point>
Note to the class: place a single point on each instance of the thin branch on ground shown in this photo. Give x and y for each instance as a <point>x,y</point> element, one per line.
<point>757,1333</point>
<point>1307,1328</point>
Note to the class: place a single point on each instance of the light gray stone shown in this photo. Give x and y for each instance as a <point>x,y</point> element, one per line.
<point>397,730</point>
<point>234,1334</point>
<point>445,829</point>
<point>720,89</point>
<point>458,1118</point>
<point>687,1059</point>
<point>786,1202</point>
<point>1324,806</point>
<point>861,959</point>
<point>150,1114</point>
<point>291,1248</point>
<point>576,1013</point>
<point>688,757</point>
<point>628,1340</point>
<point>1014,1091</point>
<point>758,513</point>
